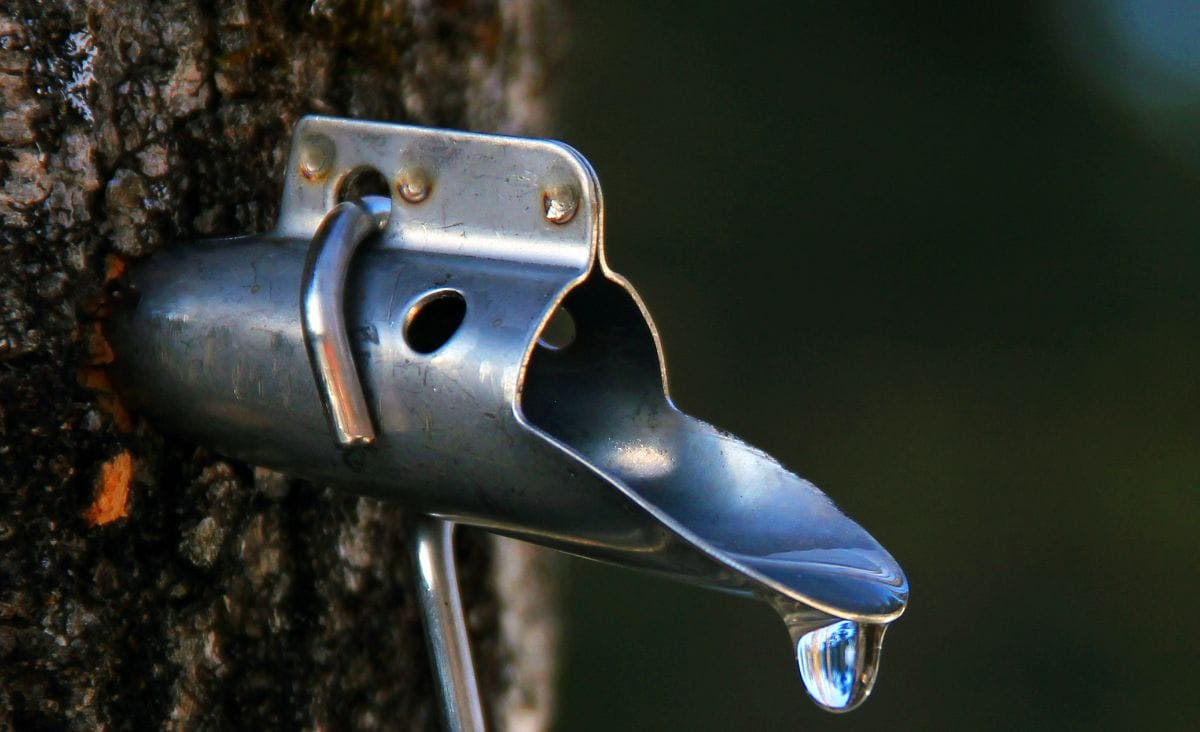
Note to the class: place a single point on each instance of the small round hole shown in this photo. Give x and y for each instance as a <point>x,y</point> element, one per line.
<point>559,333</point>
<point>363,182</point>
<point>434,320</point>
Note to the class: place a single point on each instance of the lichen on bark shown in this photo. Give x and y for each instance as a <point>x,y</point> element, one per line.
<point>145,582</point>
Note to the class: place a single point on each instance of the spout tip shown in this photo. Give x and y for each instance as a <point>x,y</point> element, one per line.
<point>776,530</point>
<point>706,507</point>
<point>863,584</point>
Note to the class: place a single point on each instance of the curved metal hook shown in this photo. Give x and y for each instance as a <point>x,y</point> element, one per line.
<point>322,292</point>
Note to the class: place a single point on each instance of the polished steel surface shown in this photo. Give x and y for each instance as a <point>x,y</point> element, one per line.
<point>578,448</point>
<point>432,545</point>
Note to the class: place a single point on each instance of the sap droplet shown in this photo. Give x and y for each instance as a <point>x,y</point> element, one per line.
<point>839,662</point>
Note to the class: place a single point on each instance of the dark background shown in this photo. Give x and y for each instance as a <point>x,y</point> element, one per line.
<point>943,261</point>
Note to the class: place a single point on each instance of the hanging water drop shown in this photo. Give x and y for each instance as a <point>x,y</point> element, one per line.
<point>828,658</point>
<point>838,663</point>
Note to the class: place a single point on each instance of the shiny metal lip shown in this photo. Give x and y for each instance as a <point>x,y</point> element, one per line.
<point>891,576</point>
<point>885,571</point>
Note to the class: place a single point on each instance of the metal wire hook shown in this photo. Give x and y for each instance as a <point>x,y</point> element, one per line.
<point>323,319</point>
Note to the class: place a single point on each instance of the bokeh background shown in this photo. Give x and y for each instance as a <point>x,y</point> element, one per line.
<point>942,259</point>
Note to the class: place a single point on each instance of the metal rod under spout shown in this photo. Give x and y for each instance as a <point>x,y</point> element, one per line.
<point>340,234</point>
<point>432,544</point>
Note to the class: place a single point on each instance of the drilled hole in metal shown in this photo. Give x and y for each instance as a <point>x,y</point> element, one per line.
<point>434,320</point>
<point>559,333</point>
<point>362,182</point>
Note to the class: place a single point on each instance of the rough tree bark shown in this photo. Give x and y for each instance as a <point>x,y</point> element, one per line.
<point>145,582</point>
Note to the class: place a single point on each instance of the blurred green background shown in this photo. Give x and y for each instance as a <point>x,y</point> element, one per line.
<point>942,259</point>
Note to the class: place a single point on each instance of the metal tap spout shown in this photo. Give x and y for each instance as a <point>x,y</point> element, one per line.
<point>403,348</point>
<point>722,513</point>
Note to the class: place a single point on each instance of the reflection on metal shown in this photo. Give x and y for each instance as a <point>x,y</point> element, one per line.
<point>575,446</point>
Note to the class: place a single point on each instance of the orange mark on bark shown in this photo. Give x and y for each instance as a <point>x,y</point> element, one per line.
<point>114,267</point>
<point>112,491</point>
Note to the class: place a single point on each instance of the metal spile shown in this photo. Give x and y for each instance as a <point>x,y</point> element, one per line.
<point>464,349</point>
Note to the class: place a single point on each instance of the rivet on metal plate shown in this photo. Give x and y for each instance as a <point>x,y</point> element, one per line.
<point>478,361</point>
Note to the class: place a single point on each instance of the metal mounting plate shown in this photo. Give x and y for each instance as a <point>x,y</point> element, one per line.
<point>533,201</point>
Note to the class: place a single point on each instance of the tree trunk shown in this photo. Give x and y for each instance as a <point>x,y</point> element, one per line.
<point>145,582</point>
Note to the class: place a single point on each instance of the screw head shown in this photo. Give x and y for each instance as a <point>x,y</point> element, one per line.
<point>316,157</point>
<point>413,184</point>
<point>560,203</point>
